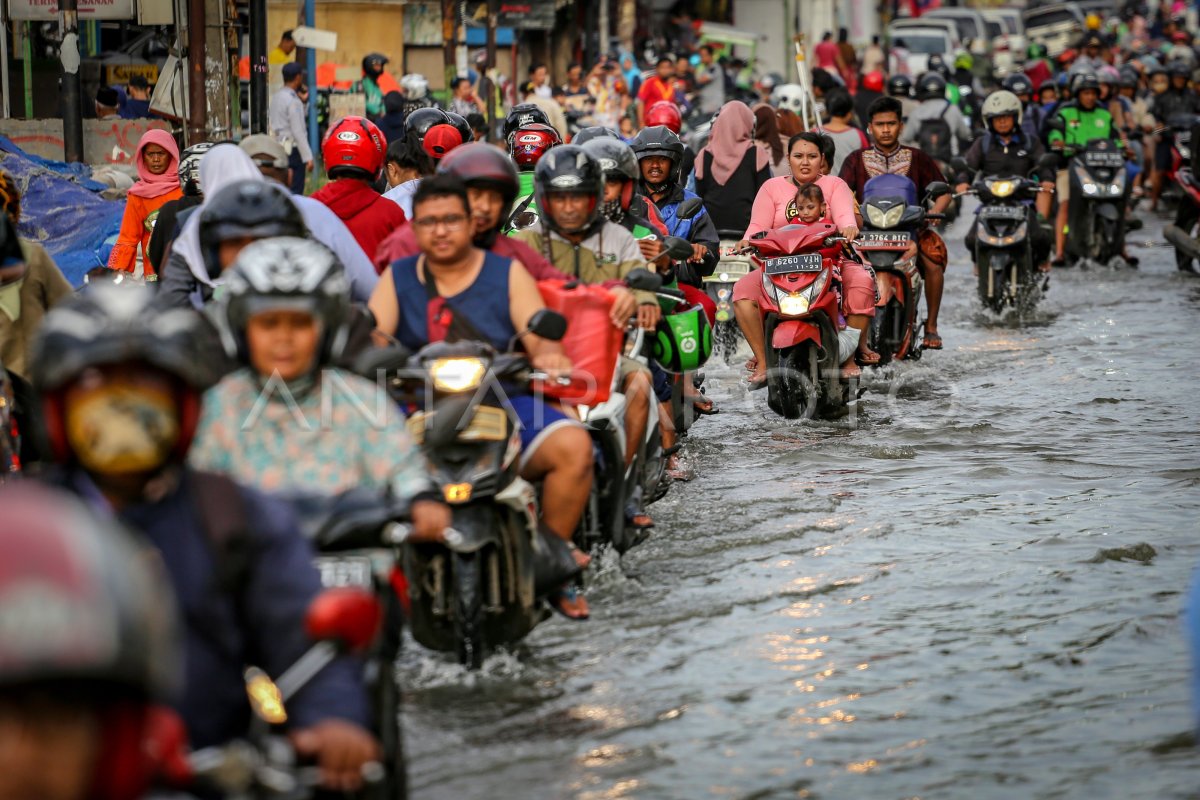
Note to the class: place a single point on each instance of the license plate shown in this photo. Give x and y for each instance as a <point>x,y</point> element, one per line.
<point>805,262</point>
<point>488,425</point>
<point>341,571</point>
<point>884,238</point>
<point>1106,160</point>
<point>1002,212</point>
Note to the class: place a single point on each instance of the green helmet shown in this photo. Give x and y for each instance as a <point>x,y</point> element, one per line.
<point>964,60</point>
<point>683,342</point>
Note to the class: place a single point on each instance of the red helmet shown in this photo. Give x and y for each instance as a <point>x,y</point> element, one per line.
<point>873,81</point>
<point>664,112</point>
<point>530,142</point>
<point>354,147</point>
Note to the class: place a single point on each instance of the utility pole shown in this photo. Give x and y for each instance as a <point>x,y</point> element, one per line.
<point>450,39</point>
<point>486,82</point>
<point>197,96</point>
<point>258,66</point>
<point>68,54</point>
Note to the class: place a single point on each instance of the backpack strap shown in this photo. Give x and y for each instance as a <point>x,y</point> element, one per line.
<point>440,316</point>
<point>944,110</point>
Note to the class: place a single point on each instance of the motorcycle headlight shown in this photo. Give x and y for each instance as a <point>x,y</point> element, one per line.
<point>457,374</point>
<point>884,219</point>
<point>793,305</point>
<point>1002,188</point>
<point>1090,188</point>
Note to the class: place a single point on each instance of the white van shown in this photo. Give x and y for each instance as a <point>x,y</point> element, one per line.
<point>972,27</point>
<point>919,42</point>
<point>1056,27</point>
<point>1008,39</point>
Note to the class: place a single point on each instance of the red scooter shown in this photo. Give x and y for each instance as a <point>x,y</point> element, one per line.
<point>802,320</point>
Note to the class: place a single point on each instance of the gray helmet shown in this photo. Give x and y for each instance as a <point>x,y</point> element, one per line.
<point>249,208</point>
<point>289,273</point>
<point>1002,103</point>
<point>1085,80</point>
<point>591,132</point>
<point>931,86</point>
<point>80,602</point>
<point>189,168</point>
<point>616,158</point>
<point>110,324</point>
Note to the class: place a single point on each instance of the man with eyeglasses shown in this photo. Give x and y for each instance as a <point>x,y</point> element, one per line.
<point>455,291</point>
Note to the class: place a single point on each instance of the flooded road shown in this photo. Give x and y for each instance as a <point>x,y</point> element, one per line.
<point>974,593</point>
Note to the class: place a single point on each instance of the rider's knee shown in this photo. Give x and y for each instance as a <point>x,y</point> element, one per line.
<point>571,449</point>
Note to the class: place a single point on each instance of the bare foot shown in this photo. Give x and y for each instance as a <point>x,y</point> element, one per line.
<point>851,370</point>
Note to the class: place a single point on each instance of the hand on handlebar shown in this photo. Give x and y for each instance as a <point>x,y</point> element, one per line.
<point>430,520</point>
<point>341,748</point>
<point>651,248</point>
<point>624,305</point>
<point>850,232</point>
<point>699,253</point>
<point>648,315</point>
<point>553,364</point>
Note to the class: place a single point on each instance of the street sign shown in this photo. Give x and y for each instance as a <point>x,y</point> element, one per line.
<point>315,38</point>
<point>47,10</point>
<point>119,74</point>
<point>519,14</point>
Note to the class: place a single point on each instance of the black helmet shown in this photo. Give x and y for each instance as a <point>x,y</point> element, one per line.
<point>521,115</point>
<point>568,169</point>
<point>937,64</point>
<point>616,158</point>
<point>108,325</point>
<point>291,273</point>
<point>931,86</point>
<point>1085,80</point>
<point>421,120</point>
<point>589,133</point>
<point>81,602</point>
<point>256,209</point>
<point>899,86</point>
<point>1129,77</point>
<point>372,64</point>
<point>1179,69</point>
<point>189,167</point>
<point>479,164</point>
<point>660,141</point>
<point>1018,83</point>
<point>462,126</point>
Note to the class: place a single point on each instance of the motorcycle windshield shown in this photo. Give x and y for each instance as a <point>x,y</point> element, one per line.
<point>794,239</point>
<point>889,186</point>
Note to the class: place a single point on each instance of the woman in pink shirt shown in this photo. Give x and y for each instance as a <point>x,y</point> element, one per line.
<point>775,206</point>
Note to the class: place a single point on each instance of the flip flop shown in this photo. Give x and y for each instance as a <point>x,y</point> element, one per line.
<point>931,341</point>
<point>570,602</point>
<point>867,358</point>
<point>851,370</point>
<point>698,403</point>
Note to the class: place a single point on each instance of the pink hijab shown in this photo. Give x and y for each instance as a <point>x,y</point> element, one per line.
<point>732,135</point>
<point>148,184</point>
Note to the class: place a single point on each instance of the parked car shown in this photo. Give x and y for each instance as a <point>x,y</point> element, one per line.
<point>1057,27</point>
<point>919,41</point>
<point>972,31</point>
<point>1008,39</point>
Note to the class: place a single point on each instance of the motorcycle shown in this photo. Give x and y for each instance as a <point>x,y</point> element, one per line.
<point>892,221</point>
<point>1004,259</point>
<point>732,267</point>
<point>264,764</point>
<point>801,316</point>
<point>1184,234</point>
<point>483,586</point>
<point>1098,195</point>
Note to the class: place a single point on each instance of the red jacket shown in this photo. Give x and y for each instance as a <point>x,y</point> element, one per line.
<point>402,243</point>
<point>368,215</point>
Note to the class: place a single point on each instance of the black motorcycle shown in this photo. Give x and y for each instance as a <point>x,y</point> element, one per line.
<point>484,585</point>
<point>1099,193</point>
<point>892,222</point>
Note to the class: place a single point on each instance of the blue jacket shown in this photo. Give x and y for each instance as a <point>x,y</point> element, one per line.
<point>699,229</point>
<point>269,630</point>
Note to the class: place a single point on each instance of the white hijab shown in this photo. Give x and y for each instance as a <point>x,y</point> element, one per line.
<point>219,167</point>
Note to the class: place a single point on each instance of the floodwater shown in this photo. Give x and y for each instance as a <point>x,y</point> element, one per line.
<point>973,593</point>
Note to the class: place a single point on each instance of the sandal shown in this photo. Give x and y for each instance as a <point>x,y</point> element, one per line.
<point>931,341</point>
<point>569,602</point>
<point>703,405</point>
<point>638,519</point>
<point>867,357</point>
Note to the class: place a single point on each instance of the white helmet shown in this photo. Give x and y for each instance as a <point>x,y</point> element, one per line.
<point>788,96</point>
<point>1002,104</point>
<point>415,86</point>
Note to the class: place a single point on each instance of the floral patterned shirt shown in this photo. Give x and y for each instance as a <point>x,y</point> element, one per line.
<point>341,434</point>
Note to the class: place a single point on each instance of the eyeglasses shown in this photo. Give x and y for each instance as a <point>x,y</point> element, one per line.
<point>451,222</point>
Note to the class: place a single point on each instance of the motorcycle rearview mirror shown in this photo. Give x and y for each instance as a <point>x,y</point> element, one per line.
<point>937,189</point>
<point>1056,123</point>
<point>548,324</point>
<point>348,617</point>
<point>689,208</point>
<point>677,248</point>
<point>373,359</point>
<point>959,165</point>
<point>643,280</point>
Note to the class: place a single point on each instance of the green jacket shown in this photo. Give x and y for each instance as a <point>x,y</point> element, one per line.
<point>1083,126</point>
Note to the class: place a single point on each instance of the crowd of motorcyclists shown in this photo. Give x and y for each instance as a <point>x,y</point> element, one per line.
<point>497,345</point>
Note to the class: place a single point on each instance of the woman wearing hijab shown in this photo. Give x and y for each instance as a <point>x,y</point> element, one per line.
<point>731,168</point>
<point>157,162</point>
<point>766,133</point>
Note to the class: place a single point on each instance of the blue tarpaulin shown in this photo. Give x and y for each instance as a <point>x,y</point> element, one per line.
<point>61,209</point>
